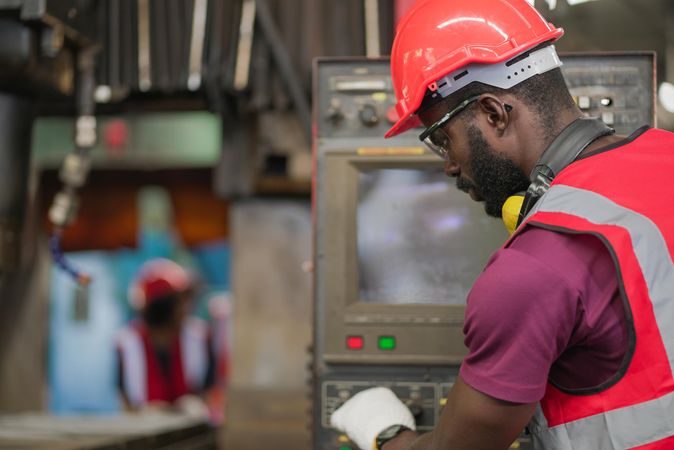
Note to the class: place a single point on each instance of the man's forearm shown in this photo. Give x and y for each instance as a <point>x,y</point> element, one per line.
<point>409,440</point>
<point>469,421</point>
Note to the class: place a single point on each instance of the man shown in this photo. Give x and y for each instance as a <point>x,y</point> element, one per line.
<point>570,328</point>
<point>165,357</point>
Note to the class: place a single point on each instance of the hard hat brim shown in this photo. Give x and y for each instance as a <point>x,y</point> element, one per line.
<point>402,125</point>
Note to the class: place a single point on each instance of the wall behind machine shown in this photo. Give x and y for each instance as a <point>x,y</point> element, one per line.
<point>271,240</point>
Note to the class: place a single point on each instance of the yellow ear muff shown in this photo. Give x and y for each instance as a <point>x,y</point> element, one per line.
<point>510,212</point>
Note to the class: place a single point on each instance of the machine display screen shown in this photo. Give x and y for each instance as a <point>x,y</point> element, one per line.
<point>420,240</point>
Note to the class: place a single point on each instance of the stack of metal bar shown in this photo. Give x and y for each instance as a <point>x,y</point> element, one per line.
<point>182,45</point>
<point>163,46</point>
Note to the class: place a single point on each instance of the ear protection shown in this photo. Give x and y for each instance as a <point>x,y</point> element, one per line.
<point>562,151</point>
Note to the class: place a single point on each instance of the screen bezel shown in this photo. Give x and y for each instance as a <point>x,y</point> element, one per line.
<point>429,333</point>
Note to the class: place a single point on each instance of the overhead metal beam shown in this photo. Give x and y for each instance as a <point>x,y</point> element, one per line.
<point>286,67</point>
<point>372,44</point>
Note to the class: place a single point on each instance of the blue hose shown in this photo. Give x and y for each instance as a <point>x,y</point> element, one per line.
<point>63,262</point>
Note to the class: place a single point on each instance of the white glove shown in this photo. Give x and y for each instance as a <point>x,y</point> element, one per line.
<point>370,412</point>
<point>192,406</point>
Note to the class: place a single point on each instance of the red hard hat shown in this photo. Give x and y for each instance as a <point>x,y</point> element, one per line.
<point>437,37</point>
<point>157,278</point>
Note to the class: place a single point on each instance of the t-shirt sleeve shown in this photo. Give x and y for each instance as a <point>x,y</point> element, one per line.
<point>520,316</point>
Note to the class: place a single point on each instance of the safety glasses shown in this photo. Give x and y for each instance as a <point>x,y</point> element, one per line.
<point>435,137</point>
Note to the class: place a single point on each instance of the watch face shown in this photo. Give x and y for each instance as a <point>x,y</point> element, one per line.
<point>389,433</point>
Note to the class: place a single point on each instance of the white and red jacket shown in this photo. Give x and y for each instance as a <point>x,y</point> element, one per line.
<point>142,377</point>
<point>625,197</point>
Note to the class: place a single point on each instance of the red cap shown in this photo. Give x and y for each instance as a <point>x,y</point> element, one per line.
<point>157,278</point>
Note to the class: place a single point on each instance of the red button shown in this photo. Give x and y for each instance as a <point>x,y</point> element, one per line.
<point>355,342</point>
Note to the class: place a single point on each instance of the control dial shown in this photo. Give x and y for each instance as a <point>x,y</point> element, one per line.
<point>368,115</point>
<point>334,112</point>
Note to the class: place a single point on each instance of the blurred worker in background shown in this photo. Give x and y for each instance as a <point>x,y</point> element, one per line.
<point>165,356</point>
<point>570,327</point>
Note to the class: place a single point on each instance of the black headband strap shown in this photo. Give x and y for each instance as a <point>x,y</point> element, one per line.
<point>562,151</point>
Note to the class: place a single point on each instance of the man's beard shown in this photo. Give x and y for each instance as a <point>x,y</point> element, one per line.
<point>496,177</point>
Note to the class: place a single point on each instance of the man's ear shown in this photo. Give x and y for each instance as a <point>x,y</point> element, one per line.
<point>497,113</point>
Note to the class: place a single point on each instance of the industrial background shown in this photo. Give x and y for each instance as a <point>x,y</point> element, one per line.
<point>203,154</point>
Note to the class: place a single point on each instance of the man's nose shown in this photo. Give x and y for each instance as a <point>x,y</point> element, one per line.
<point>452,169</point>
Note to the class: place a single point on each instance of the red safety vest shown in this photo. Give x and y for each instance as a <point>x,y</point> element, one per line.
<point>625,197</point>
<point>143,378</point>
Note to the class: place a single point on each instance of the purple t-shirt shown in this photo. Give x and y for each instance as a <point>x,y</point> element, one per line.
<point>547,306</point>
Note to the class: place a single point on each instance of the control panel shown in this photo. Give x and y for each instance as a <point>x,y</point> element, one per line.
<point>356,99</point>
<point>425,399</point>
<point>619,88</point>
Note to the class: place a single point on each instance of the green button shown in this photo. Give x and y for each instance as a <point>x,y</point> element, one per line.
<point>387,342</point>
<point>345,448</point>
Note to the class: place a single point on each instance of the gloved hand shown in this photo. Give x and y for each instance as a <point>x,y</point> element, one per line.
<point>193,406</point>
<point>370,412</point>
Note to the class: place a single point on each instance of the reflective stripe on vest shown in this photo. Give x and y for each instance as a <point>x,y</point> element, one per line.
<point>648,243</point>
<point>619,429</point>
<point>643,421</point>
<point>134,372</point>
<point>194,352</point>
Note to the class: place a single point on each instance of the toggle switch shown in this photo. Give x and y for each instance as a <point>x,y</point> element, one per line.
<point>584,102</point>
<point>608,118</point>
<point>334,114</point>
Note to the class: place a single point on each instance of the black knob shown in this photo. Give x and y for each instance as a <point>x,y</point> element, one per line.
<point>334,113</point>
<point>368,115</point>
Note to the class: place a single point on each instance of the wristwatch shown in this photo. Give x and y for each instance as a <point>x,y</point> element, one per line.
<point>388,434</point>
